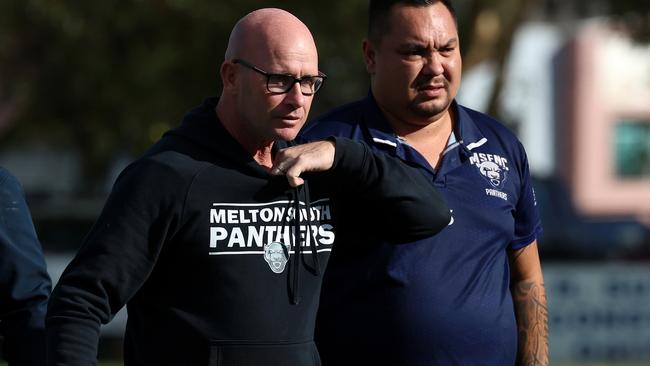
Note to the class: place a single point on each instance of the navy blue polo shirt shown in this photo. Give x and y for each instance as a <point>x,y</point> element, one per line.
<point>444,300</point>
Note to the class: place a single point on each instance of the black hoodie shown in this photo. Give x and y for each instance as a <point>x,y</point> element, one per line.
<point>196,238</point>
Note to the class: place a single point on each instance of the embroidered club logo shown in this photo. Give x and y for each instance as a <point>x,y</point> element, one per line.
<point>492,172</point>
<point>493,167</point>
<point>276,255</point>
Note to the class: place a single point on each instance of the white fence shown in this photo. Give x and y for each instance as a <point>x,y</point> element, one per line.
<point>599,312</point>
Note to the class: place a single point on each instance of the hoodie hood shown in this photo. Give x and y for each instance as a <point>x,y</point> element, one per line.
<point>202,128</point>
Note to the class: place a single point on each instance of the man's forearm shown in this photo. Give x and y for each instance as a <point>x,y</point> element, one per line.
<point>532,323</point>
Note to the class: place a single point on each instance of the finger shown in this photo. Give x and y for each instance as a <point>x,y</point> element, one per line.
<point>295,181</point>
<point>280,165</point>
<point>294,168</point>
<point>293,172</point>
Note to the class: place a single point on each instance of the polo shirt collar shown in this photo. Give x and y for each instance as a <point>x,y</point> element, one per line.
<point>466,131</point>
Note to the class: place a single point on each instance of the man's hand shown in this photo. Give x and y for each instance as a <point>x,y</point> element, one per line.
<point>312,157</point>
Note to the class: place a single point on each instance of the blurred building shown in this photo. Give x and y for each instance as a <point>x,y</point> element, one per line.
<point>578,96</point>
<point>604,122</point>
<point>579,99</point>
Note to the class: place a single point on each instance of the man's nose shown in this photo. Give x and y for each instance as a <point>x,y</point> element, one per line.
<point>433,64</point>
<point>294,96</point>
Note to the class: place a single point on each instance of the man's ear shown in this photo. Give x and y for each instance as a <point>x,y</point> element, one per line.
<point>229,76</point>
<point>369,56</point>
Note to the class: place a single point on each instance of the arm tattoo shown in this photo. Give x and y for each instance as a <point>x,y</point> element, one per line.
<point>532,323</point>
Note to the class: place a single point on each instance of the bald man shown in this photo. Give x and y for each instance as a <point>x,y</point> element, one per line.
<point>215,239</point>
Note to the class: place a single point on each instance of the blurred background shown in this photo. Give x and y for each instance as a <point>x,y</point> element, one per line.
<point>85,87</point>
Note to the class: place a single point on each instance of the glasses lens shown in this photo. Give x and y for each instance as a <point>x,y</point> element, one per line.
<point>279,83</point>
<point>310,85</point>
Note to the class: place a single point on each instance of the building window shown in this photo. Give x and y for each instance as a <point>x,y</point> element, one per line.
<point>632,139</point>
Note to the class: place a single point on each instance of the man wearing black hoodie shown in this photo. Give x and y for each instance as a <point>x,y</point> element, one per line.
<point>217,237</point>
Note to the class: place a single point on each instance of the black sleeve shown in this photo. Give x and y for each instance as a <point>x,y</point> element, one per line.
<point>397,194</point>
<point>24,282</point>
<point>117,256</point>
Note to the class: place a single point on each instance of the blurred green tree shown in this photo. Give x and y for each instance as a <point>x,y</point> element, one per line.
<point>101,77</point>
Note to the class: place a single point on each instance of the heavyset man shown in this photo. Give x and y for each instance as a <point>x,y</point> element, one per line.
<point>474,293</point>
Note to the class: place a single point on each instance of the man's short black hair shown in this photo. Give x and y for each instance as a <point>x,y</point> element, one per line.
<point>378,14</point>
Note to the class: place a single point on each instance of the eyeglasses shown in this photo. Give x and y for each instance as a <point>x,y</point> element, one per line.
<point>282,83</point>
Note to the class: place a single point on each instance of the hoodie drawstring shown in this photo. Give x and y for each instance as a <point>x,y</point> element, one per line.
<point>297,245</point>
<point>297,242</point>
<point>311,237</point>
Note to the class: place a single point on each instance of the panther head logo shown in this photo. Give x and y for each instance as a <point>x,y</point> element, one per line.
<point>276,255</point>
<point>491,171</point>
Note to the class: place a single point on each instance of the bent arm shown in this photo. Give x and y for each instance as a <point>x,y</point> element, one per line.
<point>403,198</point>
<point>529,297</point>
<point>24,280</point>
